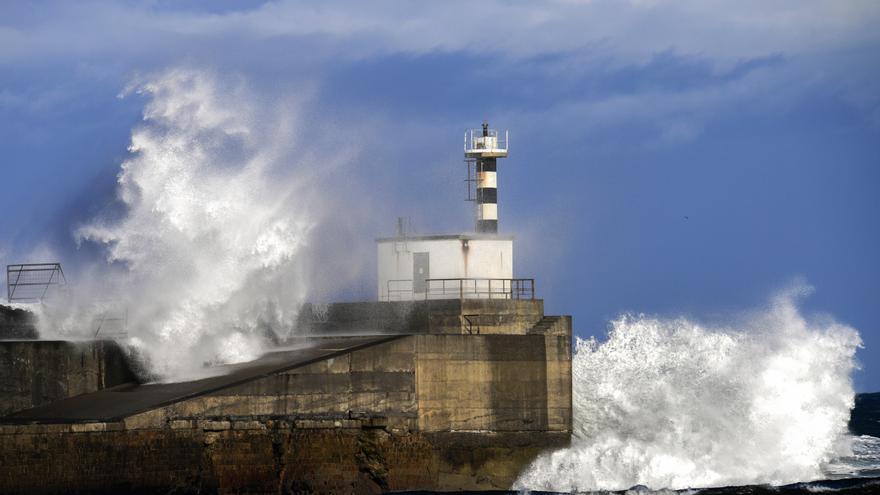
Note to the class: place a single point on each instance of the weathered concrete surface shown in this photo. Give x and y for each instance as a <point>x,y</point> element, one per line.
<point>494,383</point>
<point>17,323</point>
<point>552,325</point>
<point>38,372</point>
<point>468,316</point>
<point>270,456</point>
<point>418,382</point>
<point>377,381</point>
<point>427,383</point>
<point>127,402</point>
<point>440,409</point>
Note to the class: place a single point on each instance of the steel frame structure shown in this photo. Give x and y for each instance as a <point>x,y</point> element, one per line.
<point>21,276</point>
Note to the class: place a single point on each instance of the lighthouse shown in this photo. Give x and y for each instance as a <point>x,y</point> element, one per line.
<point>473,265</point>
<point>482,149</point>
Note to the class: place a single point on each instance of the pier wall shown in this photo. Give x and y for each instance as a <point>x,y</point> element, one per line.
<point>447,406</point>
<point>38,372</point>
<point>442,316</point>
<point>429,383</point>
<point>260,456</point>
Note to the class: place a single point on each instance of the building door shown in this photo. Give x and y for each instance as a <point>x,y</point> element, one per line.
<point>420,272</point>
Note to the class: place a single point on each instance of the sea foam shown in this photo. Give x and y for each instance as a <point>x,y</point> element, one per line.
<point>671,403</point>
<point>205,260</point>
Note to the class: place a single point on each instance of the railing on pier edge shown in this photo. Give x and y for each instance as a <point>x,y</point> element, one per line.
<point>462,288</point>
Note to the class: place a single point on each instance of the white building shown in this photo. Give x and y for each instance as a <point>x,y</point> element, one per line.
<point>442,266</point>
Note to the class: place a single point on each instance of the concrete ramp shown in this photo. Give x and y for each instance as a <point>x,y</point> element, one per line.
<point>120,402</point>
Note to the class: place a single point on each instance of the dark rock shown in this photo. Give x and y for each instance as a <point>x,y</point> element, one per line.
<point>865,416</point>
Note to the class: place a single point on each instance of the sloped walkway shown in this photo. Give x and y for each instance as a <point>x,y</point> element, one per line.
<point>123,401</point>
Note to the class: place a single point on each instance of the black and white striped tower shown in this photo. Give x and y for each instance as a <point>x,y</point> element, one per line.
<point>482,148</point>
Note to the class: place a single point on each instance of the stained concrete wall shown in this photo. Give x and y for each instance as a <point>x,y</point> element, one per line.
<point>17,323</point>
<point>447,316</point>
<point>37,372</point>
<point>437,410</point>
<point>493,383</point>
<point>378,381</point>
<point>421,412</point>
<point>430,383</point>
<point>265,456</point>
<point>482,316</point>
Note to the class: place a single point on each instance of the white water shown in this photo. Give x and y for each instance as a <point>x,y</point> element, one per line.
<point>670,403</point>
<point>208,253</point>
<point>863,460</point>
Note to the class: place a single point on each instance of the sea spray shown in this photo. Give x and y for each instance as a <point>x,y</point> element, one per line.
<point>206,258</point>
<point>670,403</point>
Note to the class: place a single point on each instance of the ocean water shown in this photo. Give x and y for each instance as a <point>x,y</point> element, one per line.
<point>761,404</point>
<point>857,472</point>
<point>863,462</point>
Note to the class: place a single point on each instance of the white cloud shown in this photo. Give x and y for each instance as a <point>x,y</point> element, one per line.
<point>577,38</point>
<point>631,30</point>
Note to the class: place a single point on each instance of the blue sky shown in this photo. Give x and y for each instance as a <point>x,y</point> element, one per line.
<point>666,157</point>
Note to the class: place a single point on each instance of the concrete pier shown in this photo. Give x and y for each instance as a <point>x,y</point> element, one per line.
<point>430,395</point>
<point>39,372</point>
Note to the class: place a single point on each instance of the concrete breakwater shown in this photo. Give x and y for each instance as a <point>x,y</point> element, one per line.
<point>39,372</point>
<point>262,456</point>
<point>455,395</point>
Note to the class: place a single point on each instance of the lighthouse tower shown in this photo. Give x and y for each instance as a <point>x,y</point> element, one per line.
<point>474,265</point>
<point>482,149</point>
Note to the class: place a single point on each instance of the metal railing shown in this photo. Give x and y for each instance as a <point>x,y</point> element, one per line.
<point>461,288</point>
<point>475,141</point>
<point>480,288</point>
<point>399,290</point>
<point>30,282</point>
<point>110,324</point>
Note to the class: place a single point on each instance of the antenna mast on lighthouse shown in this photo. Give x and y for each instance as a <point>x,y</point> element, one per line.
<point>482,148</point>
